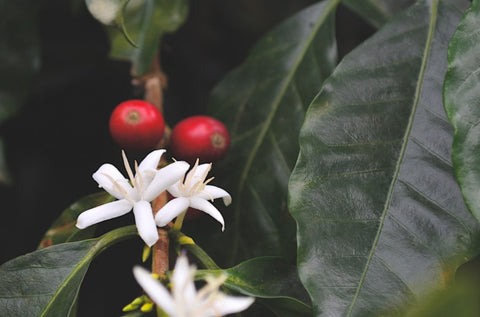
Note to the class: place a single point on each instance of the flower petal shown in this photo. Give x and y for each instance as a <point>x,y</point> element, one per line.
<point>171,210</point>
<point>200,170</point>
<point>214,192</point>
<point>198,173</point>
<point>174,190</point>
<point>205,206</point>
<point>164,178</point>
<point>155,290</point>
<point>103,212</point>
<point>225,305</point>
<point>145,223</point>
<point>182,280</point>
<point>112,181</point>
<point>150,162</point>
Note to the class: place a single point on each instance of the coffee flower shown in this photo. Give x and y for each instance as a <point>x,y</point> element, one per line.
<point>193,191</point>
<point>144,187</point>
<point>185,300</point>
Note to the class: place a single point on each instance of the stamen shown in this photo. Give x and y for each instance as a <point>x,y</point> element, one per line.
<point>180,184</point>
<point>194,188</point>
<point>137,173</point>
<point>120,188</point>
<point>207,303</point>
<point>209,195</point>
<point>210,292</point>
<point>207,170</point>
<point>209,180</point>
<point>190,176</point>
<point>212,285</point>
<point>128,168</point>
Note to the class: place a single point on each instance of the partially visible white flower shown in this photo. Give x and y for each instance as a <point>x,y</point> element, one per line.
<point>185,300</point>
<point>105,11</point>
<point>193,191</point>
<point>146,185</point>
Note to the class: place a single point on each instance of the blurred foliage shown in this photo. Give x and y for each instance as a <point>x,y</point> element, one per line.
<point>19,61</point>
<point>146,22</point>
<point>461,300</point>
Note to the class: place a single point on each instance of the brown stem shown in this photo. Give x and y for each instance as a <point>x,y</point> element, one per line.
<point>160,254</point>
<point>160,249</point>
<point>152,85</point>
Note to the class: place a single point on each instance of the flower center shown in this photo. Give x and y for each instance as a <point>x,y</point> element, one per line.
<point>138,183</point>
<point>194,183</point>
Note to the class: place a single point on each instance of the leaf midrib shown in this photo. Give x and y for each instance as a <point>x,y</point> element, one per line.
<point>433,16</point>
<point>276,103</point>
<point>102,243</point>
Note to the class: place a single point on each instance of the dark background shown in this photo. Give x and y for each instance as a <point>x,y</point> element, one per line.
<point>60,136</point>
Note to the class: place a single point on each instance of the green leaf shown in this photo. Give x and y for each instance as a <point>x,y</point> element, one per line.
<point>381,220</point>
<point>462,103</point>
<point>64,230</point>
<point>111,12</point>
<point>272,279</point>
<point>46,282</point>
<point>377,12</point>
<point>263,103</point>
<point>146,22</point>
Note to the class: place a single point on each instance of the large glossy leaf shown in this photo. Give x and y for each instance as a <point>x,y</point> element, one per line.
<point>263,103</point>
<point>146,22</point>
<point>46,282</point>
<point>381,220</point>
<point>377,12</point>
<point>272,280</point>
<point>462,102</point>
<point>64,230</point>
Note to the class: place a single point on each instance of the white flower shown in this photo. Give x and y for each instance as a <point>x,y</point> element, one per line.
<point>146,185</point>
<point>185,301</point>
<point>193,191</point>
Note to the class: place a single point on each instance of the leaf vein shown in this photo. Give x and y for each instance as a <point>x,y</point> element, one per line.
<point>389,269</point>
<point>431,152</point>
<point>433,16</point>
<point>417,238</point>
<point>437,204</point>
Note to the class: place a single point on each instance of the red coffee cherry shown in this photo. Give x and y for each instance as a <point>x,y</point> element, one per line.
<point>136,125</point>
<point>199,137</point>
